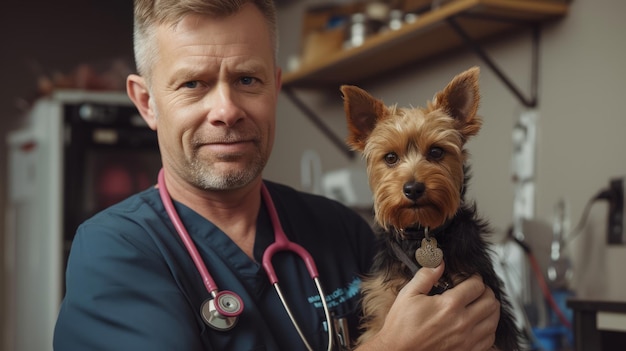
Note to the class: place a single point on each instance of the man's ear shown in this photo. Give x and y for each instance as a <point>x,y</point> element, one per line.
<point>139,94</point>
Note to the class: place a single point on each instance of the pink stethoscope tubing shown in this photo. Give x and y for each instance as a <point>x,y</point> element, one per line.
<point>281,243</point>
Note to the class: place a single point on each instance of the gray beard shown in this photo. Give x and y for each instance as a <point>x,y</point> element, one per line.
<point>204,177</point>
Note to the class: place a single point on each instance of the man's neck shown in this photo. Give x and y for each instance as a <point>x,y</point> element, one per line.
<point>235,212</point>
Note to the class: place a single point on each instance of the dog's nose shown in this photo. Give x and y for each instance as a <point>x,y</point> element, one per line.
<point>413,190</point>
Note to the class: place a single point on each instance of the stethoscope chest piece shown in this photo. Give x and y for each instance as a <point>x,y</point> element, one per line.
<point>220,312</point>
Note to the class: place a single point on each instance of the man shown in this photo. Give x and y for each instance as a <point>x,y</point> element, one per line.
<point>208,86</point>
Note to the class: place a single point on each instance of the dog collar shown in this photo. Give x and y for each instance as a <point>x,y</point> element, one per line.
<point>440,286</point>
<point>404,257</point>
<point>413,233</point>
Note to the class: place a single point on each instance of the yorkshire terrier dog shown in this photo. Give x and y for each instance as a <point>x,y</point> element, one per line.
<point>416,164</point>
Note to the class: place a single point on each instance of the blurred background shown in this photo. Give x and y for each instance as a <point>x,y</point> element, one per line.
<point>544,175</point>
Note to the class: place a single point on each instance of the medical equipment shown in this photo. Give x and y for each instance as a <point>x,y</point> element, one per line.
<point>222,309</point>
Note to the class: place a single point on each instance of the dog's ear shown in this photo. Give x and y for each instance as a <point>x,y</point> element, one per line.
<point>460,99</point>
<point>362,113</point>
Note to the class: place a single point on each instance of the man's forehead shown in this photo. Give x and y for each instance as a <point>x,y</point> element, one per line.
<point>246,30</point>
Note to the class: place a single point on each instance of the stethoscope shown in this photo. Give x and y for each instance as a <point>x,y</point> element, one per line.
<point>222,309</point>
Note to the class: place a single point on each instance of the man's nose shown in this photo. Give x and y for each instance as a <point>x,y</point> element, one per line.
<point>224,106</point>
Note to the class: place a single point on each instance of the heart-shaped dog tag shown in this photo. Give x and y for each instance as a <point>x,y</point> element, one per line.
<point>428,254</point>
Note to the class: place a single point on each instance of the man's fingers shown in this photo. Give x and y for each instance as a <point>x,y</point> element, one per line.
<point>485,307</point>
<point>468,290</point>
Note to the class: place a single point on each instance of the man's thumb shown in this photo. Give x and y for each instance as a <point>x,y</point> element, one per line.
<point>425,279</point>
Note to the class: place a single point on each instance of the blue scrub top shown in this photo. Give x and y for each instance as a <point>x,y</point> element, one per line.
<point>131,284</point>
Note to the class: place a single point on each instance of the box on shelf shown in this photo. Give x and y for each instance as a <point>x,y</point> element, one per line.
<point>325,26</point>
<point>323,29</point>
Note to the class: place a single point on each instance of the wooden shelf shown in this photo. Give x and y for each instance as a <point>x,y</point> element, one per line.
<point>428,36</point>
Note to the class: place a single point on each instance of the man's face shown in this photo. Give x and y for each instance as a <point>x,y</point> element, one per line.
<point>214,88</point>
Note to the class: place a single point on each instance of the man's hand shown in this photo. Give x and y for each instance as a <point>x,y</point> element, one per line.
<point>463,318</point>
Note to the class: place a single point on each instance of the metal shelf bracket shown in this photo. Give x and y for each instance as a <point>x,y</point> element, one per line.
<point>317,121</point>
<point>528,101</point>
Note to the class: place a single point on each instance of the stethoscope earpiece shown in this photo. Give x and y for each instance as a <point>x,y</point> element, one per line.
<point>221,312</point>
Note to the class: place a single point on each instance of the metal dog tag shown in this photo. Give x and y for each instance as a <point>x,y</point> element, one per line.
<point>428,254</point>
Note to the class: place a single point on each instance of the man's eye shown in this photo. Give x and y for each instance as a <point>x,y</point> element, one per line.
<point>191,85</point>
<point>247,80</point>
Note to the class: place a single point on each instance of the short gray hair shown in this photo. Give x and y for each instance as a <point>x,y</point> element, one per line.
<point>150,13</point>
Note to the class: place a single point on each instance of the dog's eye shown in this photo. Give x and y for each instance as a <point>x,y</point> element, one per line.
<point>391,158</point>
<point>435,153</point>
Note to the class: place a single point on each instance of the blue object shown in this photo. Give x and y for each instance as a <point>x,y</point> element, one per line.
<point>131,284</point>
<point>556,336</point>
<point>549,338</point>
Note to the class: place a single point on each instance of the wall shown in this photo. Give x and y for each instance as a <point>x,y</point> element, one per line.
<point>580,138</point>
<point>580,146</point>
